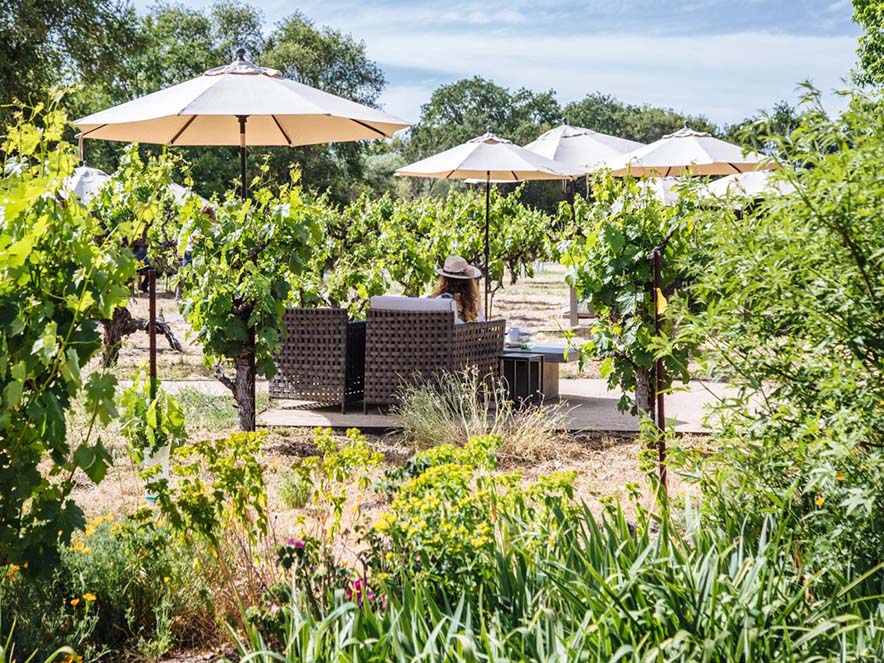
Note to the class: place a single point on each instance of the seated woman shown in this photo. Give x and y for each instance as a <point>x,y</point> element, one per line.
<point>458,280</point>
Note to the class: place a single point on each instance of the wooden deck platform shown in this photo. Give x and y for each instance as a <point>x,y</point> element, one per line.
<point>588,404</point>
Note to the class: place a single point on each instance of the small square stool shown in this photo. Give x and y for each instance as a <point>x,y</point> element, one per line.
<point>523,374</point>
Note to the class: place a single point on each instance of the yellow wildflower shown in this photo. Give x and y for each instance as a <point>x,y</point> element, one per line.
<point>383,523</point>
<point>839,475</point>
<point>74,602</point>
<point>820,500</point>
<point>89,597</point>
<point>166,579</point>
<point>72,658</point>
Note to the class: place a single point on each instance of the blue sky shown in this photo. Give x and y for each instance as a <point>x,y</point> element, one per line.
<point>725,59</point>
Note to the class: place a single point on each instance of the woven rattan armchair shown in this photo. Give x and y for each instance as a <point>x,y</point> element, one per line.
<point>403,346</point>
<point>321,359</point>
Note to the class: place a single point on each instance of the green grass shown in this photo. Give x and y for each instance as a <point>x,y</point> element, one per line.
<point>212,412</point>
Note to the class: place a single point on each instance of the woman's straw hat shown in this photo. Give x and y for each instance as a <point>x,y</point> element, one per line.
<point>456,267</point>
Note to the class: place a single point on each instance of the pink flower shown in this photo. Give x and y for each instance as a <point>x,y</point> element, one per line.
<point>362,592</point>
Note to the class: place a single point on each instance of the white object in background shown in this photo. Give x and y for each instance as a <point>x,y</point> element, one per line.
<point>161,457</point>
<point>414,304</point>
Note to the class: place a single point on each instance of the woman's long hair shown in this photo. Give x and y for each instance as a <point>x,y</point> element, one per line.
<point>465,293</point>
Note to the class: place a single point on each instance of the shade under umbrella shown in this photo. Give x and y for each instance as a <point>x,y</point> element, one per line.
<point>688,152</point>
<point>239,104</point>
<point>581,148</point>
<point>489,159</point>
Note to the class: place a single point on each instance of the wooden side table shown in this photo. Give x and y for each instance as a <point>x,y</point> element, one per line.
<point>523,374</point>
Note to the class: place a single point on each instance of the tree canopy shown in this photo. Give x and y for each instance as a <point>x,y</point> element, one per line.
<point>869,14</point>
<point>644,123</point>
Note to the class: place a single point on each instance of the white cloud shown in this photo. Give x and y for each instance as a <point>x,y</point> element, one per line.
<point>725,77</point>
<point>405,101</point>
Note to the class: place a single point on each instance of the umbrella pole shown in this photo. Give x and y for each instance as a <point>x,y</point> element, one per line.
<point>658,372</point>
<point>242,156</point>
<point>487,245</point>
<point>152,329</point>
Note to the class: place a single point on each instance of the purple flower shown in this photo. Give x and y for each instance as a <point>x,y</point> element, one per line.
<point>299,545</point>
<point>291,541</point>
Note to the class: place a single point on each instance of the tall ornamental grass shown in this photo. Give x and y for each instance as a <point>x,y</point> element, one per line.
<point>603,590</point>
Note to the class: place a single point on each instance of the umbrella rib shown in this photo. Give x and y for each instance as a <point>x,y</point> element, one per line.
<point>282,131</point>
<point>736,170</point>
<point>515,177</point>
<point>369,127</point>
<point>448,176</point>
<point>182,129</point>
<point>86,133</point>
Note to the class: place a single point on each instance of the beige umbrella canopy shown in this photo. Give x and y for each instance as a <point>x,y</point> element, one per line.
<point>688,152</point>
<point>239,104</point>
<point>488,159</point>
<point>581,148</point>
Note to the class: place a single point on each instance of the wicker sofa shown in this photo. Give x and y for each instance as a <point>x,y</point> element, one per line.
<point>403,345</point>
<point>321,359</point>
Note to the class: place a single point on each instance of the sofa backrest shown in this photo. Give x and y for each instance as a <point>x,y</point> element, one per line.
<point>414,304</point>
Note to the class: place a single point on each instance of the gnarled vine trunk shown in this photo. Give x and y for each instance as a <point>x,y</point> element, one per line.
<point>644,391</point>
<point>122,324</point>
<point>244,391</point>
<point>242,386</point>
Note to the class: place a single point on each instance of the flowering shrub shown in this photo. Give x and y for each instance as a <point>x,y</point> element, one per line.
<point>448,516</point>
<point>330,474</point>
<point>118,585</point>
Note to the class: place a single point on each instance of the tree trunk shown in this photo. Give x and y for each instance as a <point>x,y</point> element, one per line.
<point>644,392</point>
<point>121,325</point>
<point>244,392</point>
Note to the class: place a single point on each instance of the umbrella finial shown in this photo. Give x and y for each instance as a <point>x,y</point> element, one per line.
<point>241,55</point>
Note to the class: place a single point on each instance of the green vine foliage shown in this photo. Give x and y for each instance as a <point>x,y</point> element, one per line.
<point>138,204</point>
<point>610,264</point>
<point>57,276</point>
<point>374,245</point>
<point>792,317</point>
<point>205,486</point>
<point>245,256</point>
<point>150,423</point>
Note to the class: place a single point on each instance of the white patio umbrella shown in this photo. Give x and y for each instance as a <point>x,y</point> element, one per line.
<point>86,182</point>
<point>688,151</point>
<point>753,185</point>
<point>581,148</point>
<point>488,159</point>
<point>239,104</point>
